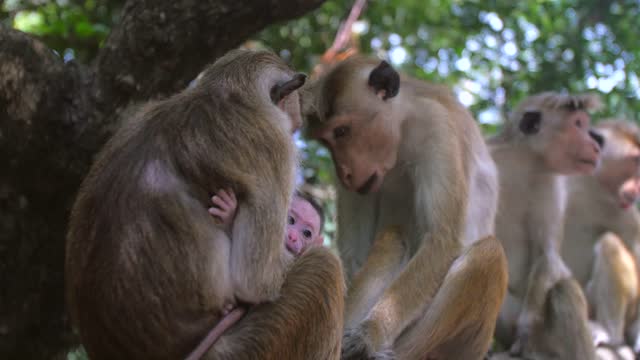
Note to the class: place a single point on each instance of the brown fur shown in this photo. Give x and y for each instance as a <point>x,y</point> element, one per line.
<point>436,184</point>
<point>530,219</point>
<point>558,324</point>
<point>148,270</point>
<point>306,323</point>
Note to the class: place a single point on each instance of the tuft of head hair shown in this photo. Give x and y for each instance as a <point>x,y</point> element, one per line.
<point>560,101</point>
<point>550,101</point>
<point>314,203</point>
<point>319,96</point>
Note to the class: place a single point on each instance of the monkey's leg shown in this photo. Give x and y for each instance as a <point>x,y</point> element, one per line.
<point>382,265</point>
<point>553,321</point>
<point>546,271</point>
<point>564,332</point>
<point>459,323</point>
<point>507,324</point>
<point>613,286</point>
<point>306,322</point>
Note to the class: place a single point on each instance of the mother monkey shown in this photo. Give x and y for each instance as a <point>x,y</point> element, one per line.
<point>149,272</point>
<point>410,156</point>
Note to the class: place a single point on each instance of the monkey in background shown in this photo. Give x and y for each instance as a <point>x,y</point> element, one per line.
<point>149,272</point>
<point>547,137</point>
<point>305,219</point>
<point>602,236</point>
<point>415,173</point>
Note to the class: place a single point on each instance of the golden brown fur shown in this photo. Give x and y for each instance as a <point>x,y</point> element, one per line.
<point>148,270</point>
<point>418,159</point>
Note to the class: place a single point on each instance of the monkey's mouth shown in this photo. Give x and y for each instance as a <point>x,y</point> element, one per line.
<point>592,163</point>
<point>366,187</point>
<point>626,200</point>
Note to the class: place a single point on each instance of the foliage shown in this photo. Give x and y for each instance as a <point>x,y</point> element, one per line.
<point>491,53</point>
<point>77,354</point>
<point>73,28</point>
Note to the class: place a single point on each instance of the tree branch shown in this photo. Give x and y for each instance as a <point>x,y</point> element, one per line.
<point>160,37</point>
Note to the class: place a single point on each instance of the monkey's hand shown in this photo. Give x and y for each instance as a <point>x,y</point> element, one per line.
<point>224,207</point>
<point>356,346</point>
<point>525,323</point>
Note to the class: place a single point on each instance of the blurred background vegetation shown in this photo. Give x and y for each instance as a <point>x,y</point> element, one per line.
<point>492,53</point>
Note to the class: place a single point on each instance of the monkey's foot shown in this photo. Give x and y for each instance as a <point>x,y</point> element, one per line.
<point>227,309</point>
<point>355,347</point>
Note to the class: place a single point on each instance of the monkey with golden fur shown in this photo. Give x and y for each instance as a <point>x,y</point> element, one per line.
<point>546,138</point>
<point>415,173</point>
<point>602,235</point>
<point>149,272</point>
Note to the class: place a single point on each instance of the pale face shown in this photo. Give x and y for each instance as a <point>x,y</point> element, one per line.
<point>619,172</point>
<point>303,226</point>
<point>573,149</point>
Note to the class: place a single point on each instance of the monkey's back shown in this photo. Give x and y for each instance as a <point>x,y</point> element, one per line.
<point>142,250</point>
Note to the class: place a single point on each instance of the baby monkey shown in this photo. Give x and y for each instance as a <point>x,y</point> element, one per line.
<point>305,219</point>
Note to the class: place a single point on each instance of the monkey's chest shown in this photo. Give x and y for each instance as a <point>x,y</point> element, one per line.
<point>396,207</point>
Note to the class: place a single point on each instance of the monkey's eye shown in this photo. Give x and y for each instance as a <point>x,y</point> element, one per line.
<point>291,220</point>
<point>307,233</point>
<point>341,131</point>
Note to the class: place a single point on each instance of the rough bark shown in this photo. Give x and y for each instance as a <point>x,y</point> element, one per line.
<point>55,116</point>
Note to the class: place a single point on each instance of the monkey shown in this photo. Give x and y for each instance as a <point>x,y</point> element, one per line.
<point>409,157</point>
<point>305,219</point>
<point>601,242</point>
<point>149,272</point>
<point>546,138</point>
<point>566,320</point>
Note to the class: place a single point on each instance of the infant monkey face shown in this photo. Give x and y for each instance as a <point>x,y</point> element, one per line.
<point>303,226</point>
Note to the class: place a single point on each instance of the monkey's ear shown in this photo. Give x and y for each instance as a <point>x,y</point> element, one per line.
<point>530,122</point>
<point>281,90</point>
<point>385,80</point>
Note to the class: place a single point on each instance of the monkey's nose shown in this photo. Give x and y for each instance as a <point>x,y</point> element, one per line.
<point>292,236</point>
<point>346,176</point>
<point>597,137</point>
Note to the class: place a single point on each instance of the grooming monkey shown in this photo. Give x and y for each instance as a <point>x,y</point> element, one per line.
<point>415,173</point>
<point>149,272</point>
<point>546,138</point>
<point>602,234</point>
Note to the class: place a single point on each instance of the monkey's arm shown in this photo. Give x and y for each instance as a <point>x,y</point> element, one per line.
<point>441,198</point>
<point>259,259</point>
<point>544,236</point>
<point>356,226</point>
<point>304,323</point>
<point>629,230</point>
<point>545,273</point>
<point>382,265</point>
<point>630,234</point>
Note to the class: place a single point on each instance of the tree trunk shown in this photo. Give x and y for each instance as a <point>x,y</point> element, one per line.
<point>54,116</point>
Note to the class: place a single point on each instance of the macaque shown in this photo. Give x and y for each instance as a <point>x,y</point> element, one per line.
<point>149,272</point>
<point>546,138</point>
<point>602,234</point>
<point>416,174</point>
<point>305,219</point>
